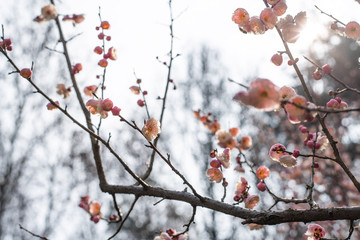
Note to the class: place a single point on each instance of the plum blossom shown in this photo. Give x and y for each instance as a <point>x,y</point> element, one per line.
<point>51,106</point>
<point>280,8</point>
<point>262,94</point>
<point>62,90</point>
<point>288,161</point>
<point>272,2</point>
<point>94,208</point>
<point>224,157</point>
<point>277,151</point>
<point>225,139</point>
<point>286,93</point>
<point>262,172</point>
<point>48,12</point>
<point>245,143</point>
<point>256,25</point>
<point>292,107</point>
<point>214,174</point>
<point>352,30</point>
<point>268,17</point>
<point>151,129</point>
<point>315,232</point>
<point>135,90</point>
<point>251,201</point>
<point>277,59</point>
<point>90,90</point>
<point>99,106</point>
<point>241,17</point>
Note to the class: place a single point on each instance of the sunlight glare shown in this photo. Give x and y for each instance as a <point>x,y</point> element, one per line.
<point>313,31</point>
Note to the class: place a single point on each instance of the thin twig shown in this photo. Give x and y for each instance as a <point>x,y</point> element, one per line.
<point>126,217</point>
<point>188,224</point>
<point>35,235</point>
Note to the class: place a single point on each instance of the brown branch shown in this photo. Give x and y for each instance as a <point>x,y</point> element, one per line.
<point>331,16</point>
<point>251,216</point>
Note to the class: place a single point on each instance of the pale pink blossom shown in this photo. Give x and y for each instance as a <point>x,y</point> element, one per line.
<point>224,157</point>
<point>135,90</point>
<point>225,139</point>
<point>62,90</point>
<point>286,93</point>
<point>315,232</point>
<point>280,8</point>
<point>300,19</point>
<point>256,25</point>
<point>337,104</point>
<point>90,90</point>
<point>290,33</point>
<point>251,201</point>
<point>276,151</point>
<point>272,2</point>
<point>292,107</point>
<point>241,17</point>
<point>115,111</point>
<point>48,12</point>
<point>268,18</point>
<point>151,129</point>
<point>94,208</point>
<point>245,143</point>
<point>352,30</point>
<point>262,94</point>
<point>288,161</point>
<point>51,106</point>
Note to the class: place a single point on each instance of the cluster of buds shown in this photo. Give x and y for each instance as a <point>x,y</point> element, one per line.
<point>111,53</point>
<point>337,104</point>
<point>242,194</point>
<point>6,44</point>
<point>93,208</point>
<point>262,173</point>
<point>137,90</point>
<point>315,141</point>
<point>170,235</point>
<point>267,20</point>
<point>102,107</point>
<point>221,160</point>
<point>114,218</point>
<point>212,124</point>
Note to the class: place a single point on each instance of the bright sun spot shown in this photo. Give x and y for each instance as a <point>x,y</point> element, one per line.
<point>313,31</point>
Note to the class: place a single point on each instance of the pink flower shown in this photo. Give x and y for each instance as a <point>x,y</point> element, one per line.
<point>62,90</point>
<point>50,106</point>
<point>262,172</point>
<point>286,93</point>
<point>241,17</point>
<point>214,174</point>
<point>96,106</point>
<point>315,232</point>
<point>48,12</point>
<point>105,25</point>
<point>290,33</point>
<point>112,53</point>
<point>115,111</point>
<point>288,161</point>
<point>294,110</point>
<point>280,8</point>
<point>103,63</point>
<point>300,19</point>
<point>268,17</point>
<point>245,143</point>
<point>352,30</point>
<point>77,68</point>
<point>90,90</point>
<point>151,129</point>
<point>225,139</point>
<point>276,151</point>
<point>94,208</point>
<point>135,90</point>
<point>256,25</point>
<point>262,94</point>
<point>277,59</point>
<point>251,201</point>
<point>224,157</point>
<point>106,104</point>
